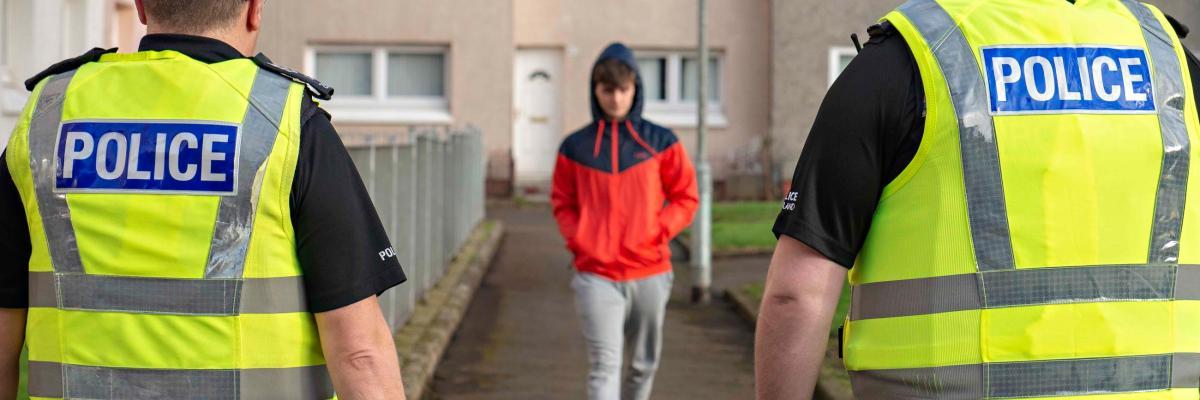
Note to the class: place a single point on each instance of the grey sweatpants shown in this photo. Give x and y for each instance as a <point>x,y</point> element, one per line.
<point>615,313</point>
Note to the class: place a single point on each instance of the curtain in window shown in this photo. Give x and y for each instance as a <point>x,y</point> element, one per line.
<point>654,77</point>
<point>416,75</point>
<point>691,79</point>
<point>348,73</point>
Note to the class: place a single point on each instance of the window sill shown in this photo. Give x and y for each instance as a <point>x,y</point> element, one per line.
<point>388,114</point>
<point>686,118</point>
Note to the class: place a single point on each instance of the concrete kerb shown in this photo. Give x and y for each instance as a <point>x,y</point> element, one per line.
<point>744,305</point>
<point>748,309</point>
<point>422,342</point>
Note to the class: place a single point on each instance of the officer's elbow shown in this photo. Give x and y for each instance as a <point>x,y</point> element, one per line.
<point>783,299</point>
<point>359,351</point>
<point>361,361</point>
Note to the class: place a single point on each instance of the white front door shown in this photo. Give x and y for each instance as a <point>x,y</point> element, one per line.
<point>537,126</point>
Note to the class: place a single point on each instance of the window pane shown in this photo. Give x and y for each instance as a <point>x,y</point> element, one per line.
<point>691,79</point>
<point>844,61</point>
<point>654,77</point>
<point>348,73</point>
<point>416,75</point>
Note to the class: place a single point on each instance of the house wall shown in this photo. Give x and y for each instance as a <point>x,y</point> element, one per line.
<point>478,34</point>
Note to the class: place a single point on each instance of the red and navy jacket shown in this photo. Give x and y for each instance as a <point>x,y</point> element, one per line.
<point>622,190</point>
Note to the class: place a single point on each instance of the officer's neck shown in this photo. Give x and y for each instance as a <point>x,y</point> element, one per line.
<point>244,42</point>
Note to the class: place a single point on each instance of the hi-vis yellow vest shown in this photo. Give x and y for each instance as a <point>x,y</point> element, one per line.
<point>156,189</point>
<point>1045,240</point>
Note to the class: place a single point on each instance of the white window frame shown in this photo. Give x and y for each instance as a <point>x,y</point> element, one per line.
<point>835,60</point>
<point>12,94</point>
<point>6,37</point>
<point>72,33</point>
<point>379,107</point>
<point>83,26</point>
<point>676,112</point>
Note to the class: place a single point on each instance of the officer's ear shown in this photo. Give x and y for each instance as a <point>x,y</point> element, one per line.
<point>253,15</point>
<point>141,11</point>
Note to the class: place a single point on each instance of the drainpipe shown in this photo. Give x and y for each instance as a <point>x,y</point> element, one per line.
<point>702,234</point>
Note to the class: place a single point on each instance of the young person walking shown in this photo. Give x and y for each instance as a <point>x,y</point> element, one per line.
<point>623,187</point>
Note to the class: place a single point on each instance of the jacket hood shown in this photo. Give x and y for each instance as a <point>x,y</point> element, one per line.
<point>625,55</point>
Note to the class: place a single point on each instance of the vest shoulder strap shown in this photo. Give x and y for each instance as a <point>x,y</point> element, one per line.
<point>315,87</point>
<point>67,65</point>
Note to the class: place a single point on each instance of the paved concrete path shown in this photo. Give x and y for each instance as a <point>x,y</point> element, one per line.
<point>520,339</point>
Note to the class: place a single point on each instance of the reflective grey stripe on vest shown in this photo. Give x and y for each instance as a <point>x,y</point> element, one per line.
<point>81,382</point>
<point>1034,378</point>
<point>1170,95</point>
<point>986,211</point>
<point>1022,287</point>
<point>235,216</point>
<point>43,136</point>
<point>222,291</point>
<point>213,297</point>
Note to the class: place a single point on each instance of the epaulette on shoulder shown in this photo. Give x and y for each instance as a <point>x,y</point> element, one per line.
<point>881,29</point>
<point>67,65</point>
<point>315,87</point>
<point>878,32</point>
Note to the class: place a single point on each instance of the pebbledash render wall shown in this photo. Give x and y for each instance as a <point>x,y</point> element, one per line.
<point>804,31</point>
<point>777,60</point>
<point>476,33</point>
<point>483,36</point>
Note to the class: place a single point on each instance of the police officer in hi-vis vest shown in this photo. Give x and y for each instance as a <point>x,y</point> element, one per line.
<point>1014,190</point>
<point>184,223</point>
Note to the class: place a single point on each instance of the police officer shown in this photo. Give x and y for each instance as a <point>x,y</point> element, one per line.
<point>1009,180</point>
<point>184,223</point>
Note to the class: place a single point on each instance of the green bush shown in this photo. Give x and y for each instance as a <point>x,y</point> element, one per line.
<point>743,226</point>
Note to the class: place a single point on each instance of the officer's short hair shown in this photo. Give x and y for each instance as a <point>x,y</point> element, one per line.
<point>193,16</point>
<point>612,72</point>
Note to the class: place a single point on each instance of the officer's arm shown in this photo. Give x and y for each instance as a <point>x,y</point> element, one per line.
<point>802,292</point>
<point>12,338</point>
<point>359,352</point>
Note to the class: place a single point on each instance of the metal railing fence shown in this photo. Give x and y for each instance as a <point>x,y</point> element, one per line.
<point>428,186</point>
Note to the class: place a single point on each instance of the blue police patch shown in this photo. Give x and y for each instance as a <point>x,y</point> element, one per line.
<point>1083,79</point>
<point>153,157</point>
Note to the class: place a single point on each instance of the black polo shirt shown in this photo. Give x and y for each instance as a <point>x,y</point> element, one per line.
<point>866,132</point>
<point>338,233</point>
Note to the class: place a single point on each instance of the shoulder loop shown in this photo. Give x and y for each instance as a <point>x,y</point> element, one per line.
<point>67,65</point>
<point>315,87</point>
<point>880,31</point>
